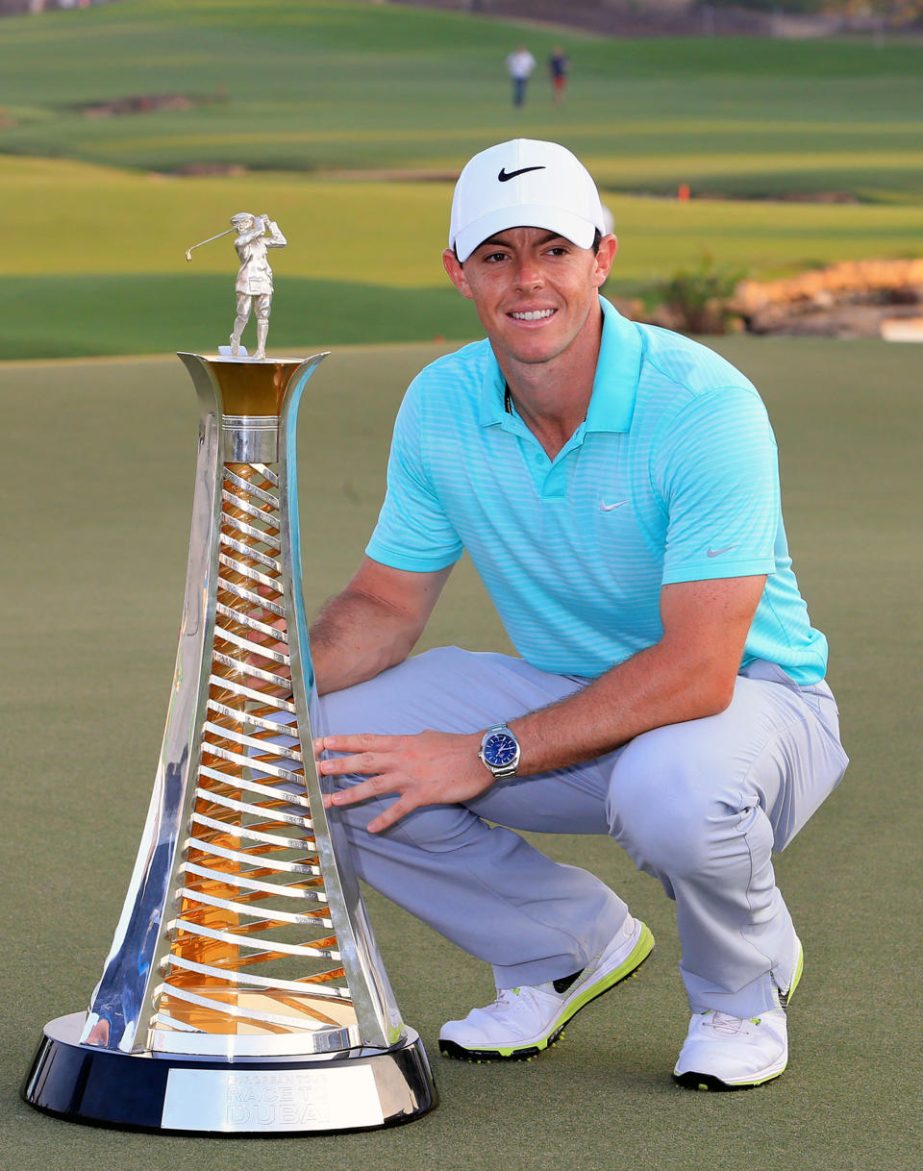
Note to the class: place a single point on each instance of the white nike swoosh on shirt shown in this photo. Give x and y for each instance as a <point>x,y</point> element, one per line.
<point>718,552</point>
<point>611,507</point>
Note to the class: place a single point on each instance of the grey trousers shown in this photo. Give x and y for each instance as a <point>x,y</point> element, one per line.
<point>699,805</point>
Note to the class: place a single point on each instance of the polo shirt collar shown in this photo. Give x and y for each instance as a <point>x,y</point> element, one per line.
<point>614,387</point>
<point>618,368</point>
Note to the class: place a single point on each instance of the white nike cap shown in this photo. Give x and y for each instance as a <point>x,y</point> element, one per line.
<point>524,183</point>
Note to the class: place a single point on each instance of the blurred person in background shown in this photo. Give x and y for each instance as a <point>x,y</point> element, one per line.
<point>558,65</point>
<point>520,64</point>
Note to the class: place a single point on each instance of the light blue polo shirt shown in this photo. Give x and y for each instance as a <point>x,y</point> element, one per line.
<point>673,476</point>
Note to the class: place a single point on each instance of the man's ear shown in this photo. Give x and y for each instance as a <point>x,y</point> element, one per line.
<point>608,247</point>
<point>456,272</point>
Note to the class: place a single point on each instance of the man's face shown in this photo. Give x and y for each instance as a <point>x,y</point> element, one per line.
<point>535,292</point>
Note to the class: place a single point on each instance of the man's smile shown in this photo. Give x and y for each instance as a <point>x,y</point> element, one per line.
<point>532,314</point>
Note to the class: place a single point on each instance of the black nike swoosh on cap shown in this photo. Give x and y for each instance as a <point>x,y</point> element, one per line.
<point>505,176</point>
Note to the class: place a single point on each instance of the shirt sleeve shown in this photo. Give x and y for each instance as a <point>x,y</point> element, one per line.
<point>718,475</point>
<point>413,531</point>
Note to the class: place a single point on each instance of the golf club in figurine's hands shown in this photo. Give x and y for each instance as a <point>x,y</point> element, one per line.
<point>254,279</point>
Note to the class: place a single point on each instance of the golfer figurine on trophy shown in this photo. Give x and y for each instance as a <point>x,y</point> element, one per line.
<point>243,992</point>
<point>254,280</point>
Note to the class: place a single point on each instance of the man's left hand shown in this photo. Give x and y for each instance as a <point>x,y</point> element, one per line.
<point>430,768</point>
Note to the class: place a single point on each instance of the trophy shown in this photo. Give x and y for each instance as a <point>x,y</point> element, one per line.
<point>243,992</point>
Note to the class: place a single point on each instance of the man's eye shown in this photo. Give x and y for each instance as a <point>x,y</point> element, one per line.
<point>557,250</point>
<point>493,257</point>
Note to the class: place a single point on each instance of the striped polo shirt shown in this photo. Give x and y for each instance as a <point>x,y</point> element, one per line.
<point>673,476</point>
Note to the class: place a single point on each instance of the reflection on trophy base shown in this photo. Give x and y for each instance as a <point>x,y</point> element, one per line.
<point>239,1023</point>
<point>358,1089</point>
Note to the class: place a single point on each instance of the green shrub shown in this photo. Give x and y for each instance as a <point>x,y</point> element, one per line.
<point>697,299</point>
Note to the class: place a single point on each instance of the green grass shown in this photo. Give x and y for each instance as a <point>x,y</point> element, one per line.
<point>300,91</point>
<point>313,86</point>
<point>78,219</point>
<point>98,479</point>
<point>60,317</point>
<point>96,265</point>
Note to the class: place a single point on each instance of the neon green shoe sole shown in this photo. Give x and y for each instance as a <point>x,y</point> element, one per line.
<point>581,997</point>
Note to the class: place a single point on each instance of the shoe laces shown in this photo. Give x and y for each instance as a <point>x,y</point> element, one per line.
<point>554,988</point>
<point>723,1022</point>
<point>513,997</point>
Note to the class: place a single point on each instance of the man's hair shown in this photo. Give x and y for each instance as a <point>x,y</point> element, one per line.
<point>597,240</point>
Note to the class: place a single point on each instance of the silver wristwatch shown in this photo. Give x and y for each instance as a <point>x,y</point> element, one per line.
<point>500,751</point>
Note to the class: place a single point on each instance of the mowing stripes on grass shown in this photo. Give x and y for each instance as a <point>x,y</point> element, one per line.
<point>316,85</point>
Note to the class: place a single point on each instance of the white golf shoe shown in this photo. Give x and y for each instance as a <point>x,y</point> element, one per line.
<point>723,1052</point>
<point>524,1021</point>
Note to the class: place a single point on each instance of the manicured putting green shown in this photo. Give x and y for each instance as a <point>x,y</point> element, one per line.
<point>98,479</point>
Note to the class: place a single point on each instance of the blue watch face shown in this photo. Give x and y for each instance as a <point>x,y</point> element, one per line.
<point>500,749</point>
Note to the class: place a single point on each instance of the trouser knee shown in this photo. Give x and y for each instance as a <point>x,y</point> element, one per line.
<point>666,814</point>
<point>434,829</point>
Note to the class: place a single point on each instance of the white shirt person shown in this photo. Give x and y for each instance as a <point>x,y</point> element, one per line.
<point>520,64</point>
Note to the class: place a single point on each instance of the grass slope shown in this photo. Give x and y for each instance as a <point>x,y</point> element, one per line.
<point>99,471</point>
<point>317,85</point>
<point>96,265</point>
<point>76,218</point>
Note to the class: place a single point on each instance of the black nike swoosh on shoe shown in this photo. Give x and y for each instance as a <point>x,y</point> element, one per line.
<point>562,984</point>
<point>505,175</point>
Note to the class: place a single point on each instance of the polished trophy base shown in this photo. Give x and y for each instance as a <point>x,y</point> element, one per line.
<point>359,1089</point>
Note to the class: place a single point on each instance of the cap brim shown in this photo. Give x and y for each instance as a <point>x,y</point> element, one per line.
<point>553,219</point>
